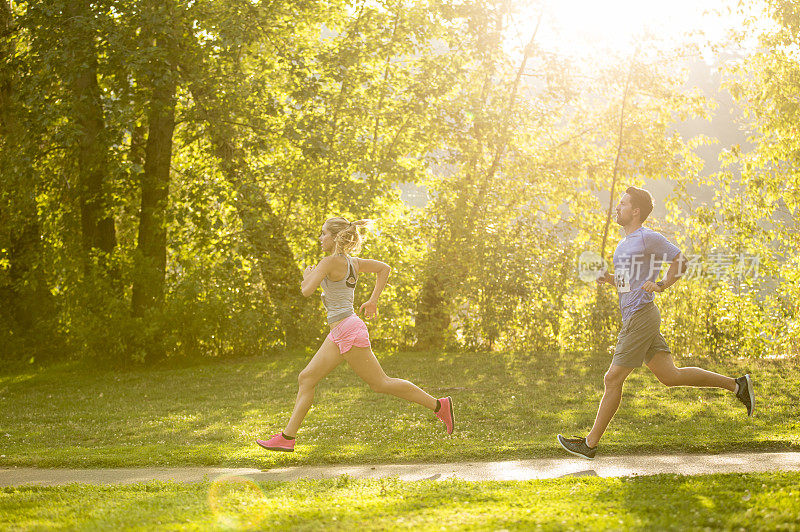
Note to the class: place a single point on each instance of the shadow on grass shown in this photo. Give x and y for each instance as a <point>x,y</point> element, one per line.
<point>507,406</point>
<point>648,503</point>
<point>713,502</point>
<point>663,502</point>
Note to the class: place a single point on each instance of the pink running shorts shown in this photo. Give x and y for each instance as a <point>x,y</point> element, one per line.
<point>351,331</point>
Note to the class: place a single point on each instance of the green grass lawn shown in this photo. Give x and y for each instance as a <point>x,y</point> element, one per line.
<point>506,407</point>
<point>663,502</point>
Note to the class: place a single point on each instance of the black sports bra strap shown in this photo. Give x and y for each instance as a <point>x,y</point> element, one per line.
<point>351,274</point>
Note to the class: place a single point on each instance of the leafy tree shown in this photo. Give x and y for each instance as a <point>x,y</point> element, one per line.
<point>756,206</point>
<point>25,301</point>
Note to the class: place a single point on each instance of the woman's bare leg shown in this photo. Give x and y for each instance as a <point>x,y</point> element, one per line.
<point>323,362</point>
<point>366,366</point>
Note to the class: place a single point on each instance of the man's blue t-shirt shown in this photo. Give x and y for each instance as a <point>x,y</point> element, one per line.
<point>638,259</point>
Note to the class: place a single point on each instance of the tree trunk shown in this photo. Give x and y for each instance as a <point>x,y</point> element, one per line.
<point>148,285</point>
<point>97,221</point>
<point>432,322</point>
<point>6,73</point>
<point>26,297</point>
<point>264,232</point>
<point>620,143</point>
<point>503,137</point>
<point>601,309</point>
<point>432,319</point>
<point>262,228</point>
<point>27,293</point>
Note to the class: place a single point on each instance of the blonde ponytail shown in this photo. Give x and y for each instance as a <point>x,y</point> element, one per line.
<point>347,238</point>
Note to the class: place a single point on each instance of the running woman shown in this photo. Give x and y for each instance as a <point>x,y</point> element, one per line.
<point>348,340</point>
<point>637,261</point>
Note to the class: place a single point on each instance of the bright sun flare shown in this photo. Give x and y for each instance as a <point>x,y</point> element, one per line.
<point>581,27</point>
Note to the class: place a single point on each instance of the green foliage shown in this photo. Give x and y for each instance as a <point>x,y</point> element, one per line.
<point>742,299</point>
<point>288,114</point>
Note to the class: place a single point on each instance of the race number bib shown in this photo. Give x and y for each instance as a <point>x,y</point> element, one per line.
<point>622,279</point>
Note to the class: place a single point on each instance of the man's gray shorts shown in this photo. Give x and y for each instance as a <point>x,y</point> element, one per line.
<point>640,338</point>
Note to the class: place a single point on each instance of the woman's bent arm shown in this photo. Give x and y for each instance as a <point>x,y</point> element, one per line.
<point>382,270</point>
<point>312,277</point>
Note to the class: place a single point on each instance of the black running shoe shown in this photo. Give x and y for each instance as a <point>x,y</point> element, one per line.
<point>577,446</point>
<point>746,394</point>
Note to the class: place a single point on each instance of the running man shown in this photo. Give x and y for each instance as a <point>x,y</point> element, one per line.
<point>637,261</point>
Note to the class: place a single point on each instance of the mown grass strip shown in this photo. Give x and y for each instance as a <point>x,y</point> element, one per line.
<point>507,407</point>
<point>662,502</point>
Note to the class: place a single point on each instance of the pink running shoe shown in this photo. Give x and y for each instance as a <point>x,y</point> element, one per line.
<point>445,413</point>
<point>277,443</point>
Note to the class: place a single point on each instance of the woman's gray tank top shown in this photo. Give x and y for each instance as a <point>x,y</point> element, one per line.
<point>337,296</point>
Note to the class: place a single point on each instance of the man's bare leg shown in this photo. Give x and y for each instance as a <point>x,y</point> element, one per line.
<point>612,396</point>
<point>665,371</point>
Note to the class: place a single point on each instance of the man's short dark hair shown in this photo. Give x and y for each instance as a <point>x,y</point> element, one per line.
<point>642,200</point>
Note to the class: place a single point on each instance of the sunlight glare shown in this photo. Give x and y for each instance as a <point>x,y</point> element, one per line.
<point>581,28</point>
